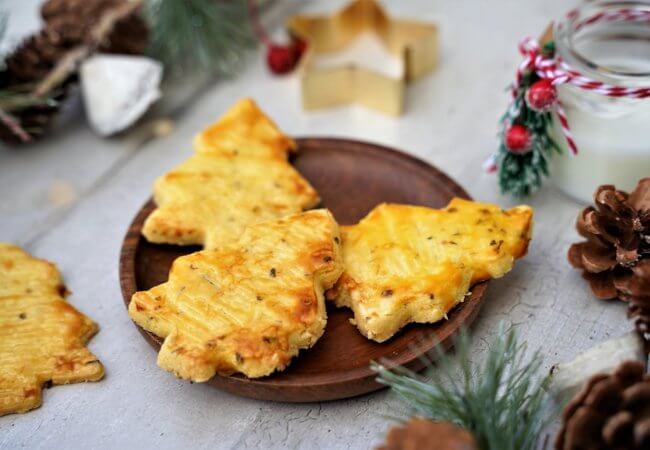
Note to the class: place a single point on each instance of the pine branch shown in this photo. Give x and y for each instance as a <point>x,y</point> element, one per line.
<point>19,97</point>
<point>14,126</point>
<point>501,401</point>
<point>198,35</point>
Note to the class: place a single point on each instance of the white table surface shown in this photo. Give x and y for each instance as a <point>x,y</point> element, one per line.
<point>450,122</point>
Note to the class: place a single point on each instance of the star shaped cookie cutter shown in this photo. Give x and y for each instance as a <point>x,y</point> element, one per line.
<point>415,43</point>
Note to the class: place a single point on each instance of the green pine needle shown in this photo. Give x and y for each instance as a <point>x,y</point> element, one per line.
<point>198,35</point>
<point>501,401</point>
<point>17,99</point>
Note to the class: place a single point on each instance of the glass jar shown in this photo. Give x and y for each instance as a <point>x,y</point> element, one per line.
<point>612,133</point>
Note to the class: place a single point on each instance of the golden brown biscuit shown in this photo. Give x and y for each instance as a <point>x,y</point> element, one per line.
<point>248,306</point>
<point>407,264</point>
<point>245,129</point>
<point>42,337</point>
<point>239,176</point>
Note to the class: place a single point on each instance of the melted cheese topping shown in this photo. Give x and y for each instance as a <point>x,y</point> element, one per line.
<point>246,307</point>
<point>42,337</point>
<point>239,176</point>
<point>244,129</point>
<point>413,264</point>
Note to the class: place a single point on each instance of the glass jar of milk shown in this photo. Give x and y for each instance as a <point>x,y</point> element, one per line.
<point>612,133</point>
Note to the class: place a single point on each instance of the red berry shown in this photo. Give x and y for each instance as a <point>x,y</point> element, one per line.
<point>518,139</point>
<point>281,58</point>
<point>541,95</point>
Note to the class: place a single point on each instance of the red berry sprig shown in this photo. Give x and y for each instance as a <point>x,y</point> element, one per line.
<point>527,140</point>
<point>518,139</point>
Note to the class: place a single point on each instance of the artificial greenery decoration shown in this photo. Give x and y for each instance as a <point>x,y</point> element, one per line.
<point>521,174</point>
<point>198,35</point>
<point>525,133</point>
<point>501,400</point>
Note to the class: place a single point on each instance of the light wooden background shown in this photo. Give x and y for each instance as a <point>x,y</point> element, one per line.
<point>450,122</point>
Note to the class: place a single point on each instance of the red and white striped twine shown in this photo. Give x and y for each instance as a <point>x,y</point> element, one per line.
<point>619,15</point>
<point>559,72</point>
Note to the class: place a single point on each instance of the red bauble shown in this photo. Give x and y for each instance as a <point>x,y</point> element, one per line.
<point>283,59</point>
<point>541,96</point>
<point>518,139</point>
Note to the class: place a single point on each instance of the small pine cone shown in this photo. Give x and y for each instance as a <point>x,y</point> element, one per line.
<point>425,434</point>
<point>30,62</point>
<point>33,59</point>
<point>610,412</point>
<point>615,258</point>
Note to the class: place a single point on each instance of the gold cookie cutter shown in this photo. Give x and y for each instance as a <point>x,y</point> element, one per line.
<point>415,43</point>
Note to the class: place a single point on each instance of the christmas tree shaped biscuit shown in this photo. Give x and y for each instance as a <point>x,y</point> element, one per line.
<point>413,264</point>
<point>42,337</point>
<point>238,176</point>
<point>248,306</point>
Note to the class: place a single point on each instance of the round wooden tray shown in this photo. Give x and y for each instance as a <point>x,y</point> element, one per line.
<point>352,177</point>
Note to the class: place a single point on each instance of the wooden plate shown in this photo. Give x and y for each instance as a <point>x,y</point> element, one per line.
<point>352,177</point>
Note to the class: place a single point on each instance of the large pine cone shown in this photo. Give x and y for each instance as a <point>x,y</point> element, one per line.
<point>610,412</point>
<point>425,434</point>
<point>616,256</point>
<point>67,24</point>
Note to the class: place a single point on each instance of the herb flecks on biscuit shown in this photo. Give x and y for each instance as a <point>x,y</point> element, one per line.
<point>238,176</point>
<point>408,264</point>
<point>42,337</point>
<point>247,307</point>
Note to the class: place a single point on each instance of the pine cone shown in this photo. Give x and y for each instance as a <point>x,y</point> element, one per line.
<point>30,62</point>
<point>425,434</point>
<point>616,256</point>
<point>73,20</point>
<point>610,412</point>
<point>67,24</point>
<point>34,58</point>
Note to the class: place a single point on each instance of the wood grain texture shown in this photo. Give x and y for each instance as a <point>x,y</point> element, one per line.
<point>352,177</point>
